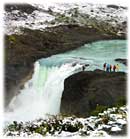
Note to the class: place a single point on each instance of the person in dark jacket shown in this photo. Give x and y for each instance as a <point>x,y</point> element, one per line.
<point>104,66</point>
<point>110,68</point>
<point>83,68</point>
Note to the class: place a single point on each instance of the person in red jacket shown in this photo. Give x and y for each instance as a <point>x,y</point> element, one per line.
<point>114,68</point>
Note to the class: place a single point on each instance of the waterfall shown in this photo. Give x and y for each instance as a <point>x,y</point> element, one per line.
<point>42,94</point>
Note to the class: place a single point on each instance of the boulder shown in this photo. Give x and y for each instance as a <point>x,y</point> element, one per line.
<point>85,90</point>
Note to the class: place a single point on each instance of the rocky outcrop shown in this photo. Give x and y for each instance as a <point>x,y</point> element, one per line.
<point>84,91</point>
<point>115,6</point>
<point>123,61</point>
<point>23,8</point>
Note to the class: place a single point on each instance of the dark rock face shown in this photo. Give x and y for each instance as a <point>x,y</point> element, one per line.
<point>21,51</point>
<point>113,6</point>
<point>15,77</point>
<point>27,8</point>
<point>84,90</point>
<point>123,61</point>
<point>116,6</point>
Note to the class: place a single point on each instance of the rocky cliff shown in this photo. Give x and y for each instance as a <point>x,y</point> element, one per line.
<point>86,91</point>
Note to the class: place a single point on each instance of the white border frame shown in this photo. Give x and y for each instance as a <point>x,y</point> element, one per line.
<point>2,2</point>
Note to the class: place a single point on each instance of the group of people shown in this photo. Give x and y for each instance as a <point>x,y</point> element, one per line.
<point>108,67</point>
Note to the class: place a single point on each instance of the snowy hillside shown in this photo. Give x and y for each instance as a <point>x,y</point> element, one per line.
<point>49,15</point>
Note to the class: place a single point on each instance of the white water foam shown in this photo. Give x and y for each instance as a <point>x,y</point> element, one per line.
<point>42,94</point>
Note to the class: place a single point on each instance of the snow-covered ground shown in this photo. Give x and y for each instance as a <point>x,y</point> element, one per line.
<point>113,121</point>
<point>54,14</point>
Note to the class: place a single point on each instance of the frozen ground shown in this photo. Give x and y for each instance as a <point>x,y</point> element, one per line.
<point>54,14</point>
<point>112,121</point>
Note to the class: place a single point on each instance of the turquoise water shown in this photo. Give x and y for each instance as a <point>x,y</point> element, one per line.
<point>95,54</point>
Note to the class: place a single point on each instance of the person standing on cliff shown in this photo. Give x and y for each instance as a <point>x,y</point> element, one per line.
<point>114,68</point>
<point>104,66</point>
<point>117,67</point>
<point>108,68</point>
<point>83,68</point>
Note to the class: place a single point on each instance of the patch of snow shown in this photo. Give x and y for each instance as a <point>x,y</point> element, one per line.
<point>100,133</point>
<point>100,127</point>
<point>36,135</point>
<point>111,122</point>
<point>121,121</point>
<point>67,134</point>
<point>115,128</point>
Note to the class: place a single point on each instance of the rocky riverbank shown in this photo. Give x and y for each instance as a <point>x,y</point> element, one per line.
<point>111,122</point>
<point>62,30</point>
<point>88,90</point>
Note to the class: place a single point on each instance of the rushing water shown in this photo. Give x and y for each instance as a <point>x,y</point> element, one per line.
<point>95,54</point>
<point>42,94</point>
